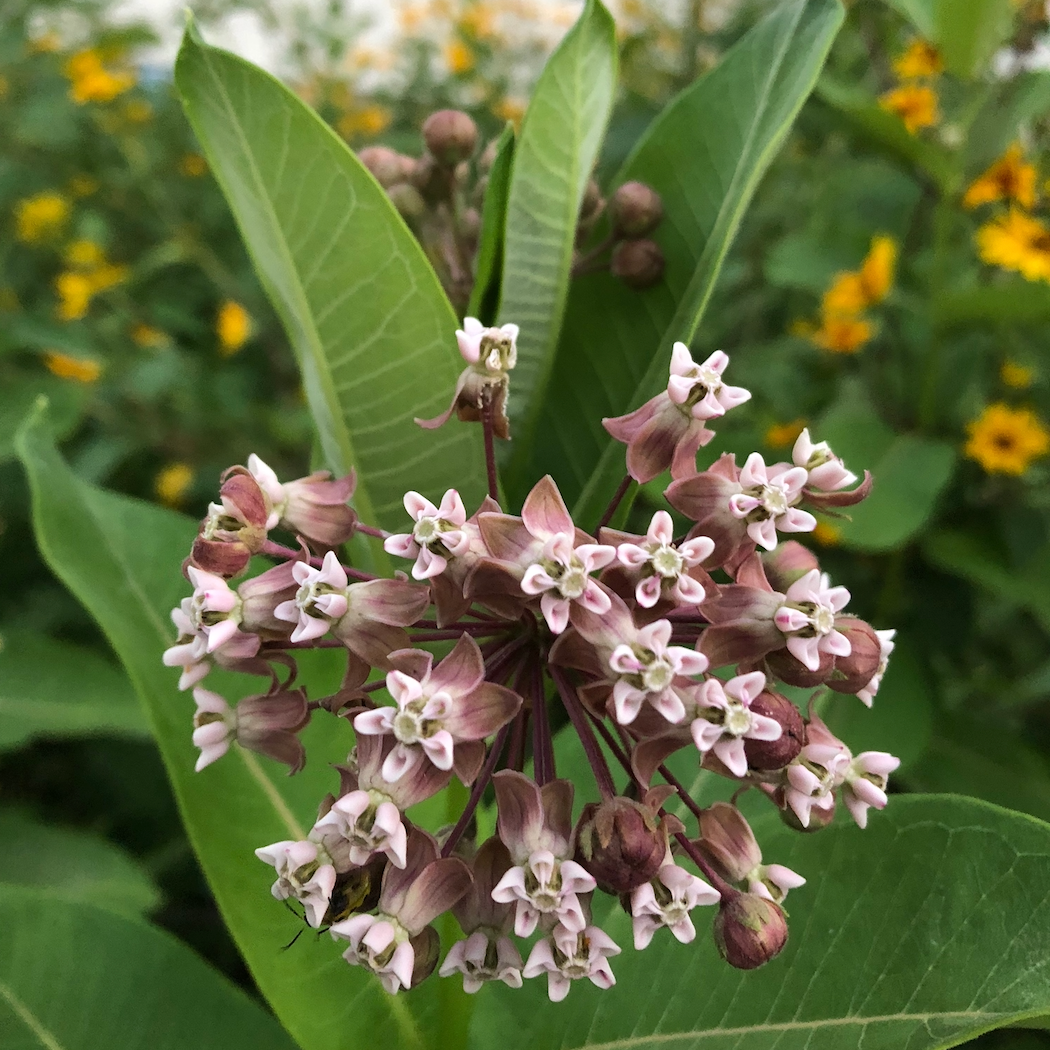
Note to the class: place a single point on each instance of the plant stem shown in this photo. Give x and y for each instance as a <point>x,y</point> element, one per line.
<point>581,265</point>
<point>490,450</point>
<point>615,502</point>
<point>542,744</point>
<point>453,635</point>
<point>275,550</point>
<point>697,858</point>
<point>582,724</point>
<point>679,787</point>
<point>476,791</point>
<point>371,530</point>
<point>614,747</point>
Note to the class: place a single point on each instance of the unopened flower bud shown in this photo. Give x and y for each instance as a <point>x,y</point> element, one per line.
<point>639,264</point>
<point>384,163</point>
<point>407,200</point>
<point>790,670</point>
<point>788,563</point>
<point>621,843</point>
<point>749,930</point>
<point>854,672</point>
<point>635,210</point>
<point>727,841</point>
<point>775,754</point>
<point>450,136</point>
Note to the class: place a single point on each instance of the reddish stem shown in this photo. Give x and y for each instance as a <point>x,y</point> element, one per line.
<point>476,791</point>
<point>371,530</point>
<point>591,747</point>
<point>542,744</point>
<point>614,502</point>
<point>698,859</point>
<point>679,787</point>
<point>276,550</point>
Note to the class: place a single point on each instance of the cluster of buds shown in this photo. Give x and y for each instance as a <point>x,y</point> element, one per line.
<point>500,624</point>
<point>441,193</point>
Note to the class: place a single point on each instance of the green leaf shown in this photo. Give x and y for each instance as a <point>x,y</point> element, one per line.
<point>54,689</point>
<point>121,558</point>
<point>919,12</point>
<point>705,155</point>
<point>77,977</point>
<point>886,129</point>
<point>920,932</point>
<point>910,473</point>
<point>1013,302</point>
<point>487,269</point>
<point>1013,105</point>
<point>969,32</point>
<point>371,327</point>
<point>556,151</point>
<point>72,864</point>
<point>21,393</point>
<point>1026,585</point>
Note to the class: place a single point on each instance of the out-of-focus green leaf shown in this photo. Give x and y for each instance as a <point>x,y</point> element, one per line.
<point>67,399</point>
<point>1014,104</point>
<point>556,151</point>
<point>121,558</point>
<point>963,554</point>
<point>370,324</point>
<point>969,32</point>
<point>487,269</point>
<point>1015,302</point>
<point>886,129</point>
<point>54,689</point>
<point>900,719</point>
<point>77,977</point>
<point>72,864</point>
<point>910,473</point>
<point>919,12</point>
<point>705,155</point>
<point>924,930</point>
<point>1000,767</point>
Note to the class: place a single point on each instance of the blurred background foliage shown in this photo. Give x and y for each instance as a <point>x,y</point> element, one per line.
<point>890,289</point>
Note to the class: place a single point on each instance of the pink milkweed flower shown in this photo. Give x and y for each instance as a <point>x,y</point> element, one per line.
<point>535,824</point>
<point>438,534</point>
<point>319,602</point>
<point>867,694</point>
<point>267,724</point>
<point>807,619</point>
<point>669,429</point>
<point>191,651</point>
<point>865,783</point>
<point>305,872</point>
<point>215,608</point>
<point>667,900</point>
<point>567,955</point>
<point>819,770</point>
<point>665,566</point>
<point>490,354</point>
<point>767,501</point>
<point>397,944</point>
<point>235,527</point>
<point>773,881</point>
<point>487,953</point>
<point>314,507</point>
<point>443,713</point>
<point>825,470</point>
<point>723,719</point>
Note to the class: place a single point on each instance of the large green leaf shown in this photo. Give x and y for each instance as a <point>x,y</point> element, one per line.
<point>77,977</point>
<point>556,151</point>
<point>969,32</point>
<point>72,864</point>
<point>121,558</point>
<point>371,327</point>
<point>1011,302</point>
<point>484,296</point>
<point>51,688</point>
<point>931,926</point>
<point>910,473</point>
<point>705,155</point>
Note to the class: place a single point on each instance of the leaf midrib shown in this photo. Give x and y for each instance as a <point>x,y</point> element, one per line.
<point>29,1019</point>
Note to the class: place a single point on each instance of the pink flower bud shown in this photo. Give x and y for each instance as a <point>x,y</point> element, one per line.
<point>854,672</point>
<point>635,210</point>
<point>384,163</point>
<point>775,754</point>
<point>450,135</point>
<point>749,930</point>
<point>621,843</point>
<point>639,264</point>
<point>727,841</point>
<point>787,563</point>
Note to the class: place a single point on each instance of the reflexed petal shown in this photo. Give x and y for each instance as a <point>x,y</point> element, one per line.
<point>544,512</point>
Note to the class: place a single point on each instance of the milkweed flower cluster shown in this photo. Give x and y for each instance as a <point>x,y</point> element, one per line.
<point>652,644</point>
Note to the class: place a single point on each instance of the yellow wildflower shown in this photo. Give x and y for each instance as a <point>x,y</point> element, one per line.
<point>1015,375</point>
<point>842,333</point>
<point>921,59</point>
<point>65,366</point>
<point>878,268</point>
<point>83,254</point>
<point>172,482</point>
<point>511,109</point>
<point>782,435</point>
<point>233,327</point>
<point>192,165</point>
<point>1006,440</point>
<point>1016,241</point>
<point>458,57</point>
<point>371,120</point>
<point>40,216</point>
<point>148,337</point>
<point>91,81</point>
<point>1009,178</point>
<point>916,105</point>
<point>846,295</point>
<point>83,185</point>
<point>826,534</point>
<point>477,20</point>
<point>74,292</point>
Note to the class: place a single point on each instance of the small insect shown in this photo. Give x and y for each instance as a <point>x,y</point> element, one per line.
<point>355,891</point>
